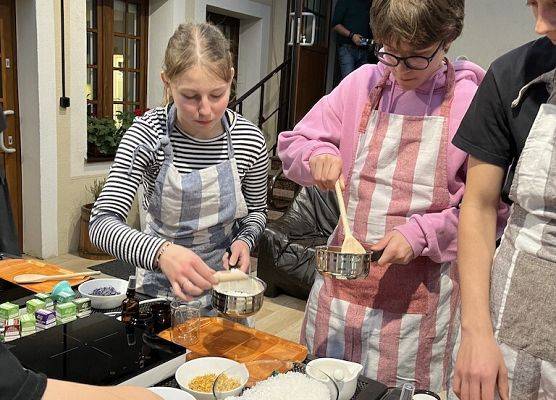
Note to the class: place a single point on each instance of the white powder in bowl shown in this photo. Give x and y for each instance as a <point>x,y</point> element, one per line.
<point>237,293</point>
<point>289,386</point>
<point>243,288</point>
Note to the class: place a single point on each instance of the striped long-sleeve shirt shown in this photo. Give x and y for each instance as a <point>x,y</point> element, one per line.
<point>108,229</point>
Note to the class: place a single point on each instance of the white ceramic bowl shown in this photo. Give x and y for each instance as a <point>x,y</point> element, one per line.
<point>209,365</point>
<point>339,375</point>
<point>104,302</point>
<point>168,393</point>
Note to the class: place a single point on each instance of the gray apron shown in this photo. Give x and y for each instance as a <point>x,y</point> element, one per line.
<point>523,279</point>
<point>197,210</point>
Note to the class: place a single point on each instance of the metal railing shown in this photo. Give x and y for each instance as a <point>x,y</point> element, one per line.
<point>281,108</point>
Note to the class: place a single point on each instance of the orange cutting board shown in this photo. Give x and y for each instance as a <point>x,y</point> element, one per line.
<point>11,268</point>
<point>219,337</point>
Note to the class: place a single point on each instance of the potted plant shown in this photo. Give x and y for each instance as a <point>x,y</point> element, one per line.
<point>104,134</point>
<point>86,248</point>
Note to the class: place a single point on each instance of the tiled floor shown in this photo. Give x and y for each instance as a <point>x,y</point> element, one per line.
<point>281,316</point>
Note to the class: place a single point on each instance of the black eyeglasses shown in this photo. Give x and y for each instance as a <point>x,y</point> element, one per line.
<point>411,62</point>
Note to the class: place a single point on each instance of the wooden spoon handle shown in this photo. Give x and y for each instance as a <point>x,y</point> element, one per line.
<point>342,208</point>
<point>74,275</point>
<point>230,275</point>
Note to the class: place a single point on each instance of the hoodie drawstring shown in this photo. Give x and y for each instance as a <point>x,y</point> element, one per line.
<point>431,94</point>
<point>429,102</point>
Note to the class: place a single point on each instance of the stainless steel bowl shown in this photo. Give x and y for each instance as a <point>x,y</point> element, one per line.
<point>332,262</point>
<point>239,298</point>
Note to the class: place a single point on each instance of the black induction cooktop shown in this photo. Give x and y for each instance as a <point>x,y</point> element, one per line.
<point>99,350</point>
<point>10,291</point>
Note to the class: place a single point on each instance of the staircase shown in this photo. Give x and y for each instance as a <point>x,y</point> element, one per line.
<point>281,191</point>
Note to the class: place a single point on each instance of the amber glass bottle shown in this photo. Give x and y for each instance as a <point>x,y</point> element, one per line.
<point>130,305</point>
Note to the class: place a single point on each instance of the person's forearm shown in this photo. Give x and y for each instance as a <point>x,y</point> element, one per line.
<point>476,244</point>
<point>60,390</point>
<point>342,30</point>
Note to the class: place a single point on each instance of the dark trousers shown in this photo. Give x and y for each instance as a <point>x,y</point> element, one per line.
<point>8,237</point>
<point>350,58</point>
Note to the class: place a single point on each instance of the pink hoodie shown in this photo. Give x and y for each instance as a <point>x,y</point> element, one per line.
<point>331,126</point>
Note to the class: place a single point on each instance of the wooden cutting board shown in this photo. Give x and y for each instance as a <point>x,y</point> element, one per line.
<point>219,337</point>
<point>13,267</point>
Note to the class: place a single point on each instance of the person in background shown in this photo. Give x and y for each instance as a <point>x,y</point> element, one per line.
<point>353,33</point>
<point>204,170</point>
<point>18,383</point>
<point>387,130</point>
<point>508,346</point>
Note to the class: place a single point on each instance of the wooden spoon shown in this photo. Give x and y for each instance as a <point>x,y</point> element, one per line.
<point>350,244</point>
<point>233,274</point>
<point>37,278</point>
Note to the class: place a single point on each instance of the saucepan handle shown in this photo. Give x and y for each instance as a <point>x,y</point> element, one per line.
<point>375,255</point>
<point>229,251</point>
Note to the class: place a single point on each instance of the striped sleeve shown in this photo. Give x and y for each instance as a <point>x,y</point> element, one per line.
<point>107,227</point>
<point>254,188</point>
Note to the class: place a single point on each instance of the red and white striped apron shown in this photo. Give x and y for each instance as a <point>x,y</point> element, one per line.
<point>400,322</point>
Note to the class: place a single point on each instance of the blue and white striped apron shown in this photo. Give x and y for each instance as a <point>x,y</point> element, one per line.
<point>197,210</point>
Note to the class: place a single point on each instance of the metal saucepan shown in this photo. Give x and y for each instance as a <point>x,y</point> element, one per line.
<point>332,262</point>
<point>239,298</point>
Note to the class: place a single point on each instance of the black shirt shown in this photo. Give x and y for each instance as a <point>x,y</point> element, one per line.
<point>491,130</point>
<point>355,16</point>
<point>16,382</point>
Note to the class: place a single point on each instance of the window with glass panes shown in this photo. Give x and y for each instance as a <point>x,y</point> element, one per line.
<point>320,8</point>
<point>116,56</point>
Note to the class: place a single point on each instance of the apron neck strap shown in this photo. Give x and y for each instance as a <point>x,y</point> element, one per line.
<point>376,93</point>
<point>450,87</point>
<point>226,126</point>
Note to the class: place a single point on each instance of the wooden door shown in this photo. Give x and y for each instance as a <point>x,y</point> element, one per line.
<point>11,160</point>
<point>311,62</point>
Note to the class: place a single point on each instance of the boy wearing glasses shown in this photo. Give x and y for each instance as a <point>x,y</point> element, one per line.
<point>385,132</point>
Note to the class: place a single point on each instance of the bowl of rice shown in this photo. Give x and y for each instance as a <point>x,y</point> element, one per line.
<point>280,380</point>
<point>289,386</point>
<point>105,294</point>
<point>197,377</point>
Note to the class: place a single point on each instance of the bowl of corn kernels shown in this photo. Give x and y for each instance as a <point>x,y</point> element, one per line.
<point>198,376</point>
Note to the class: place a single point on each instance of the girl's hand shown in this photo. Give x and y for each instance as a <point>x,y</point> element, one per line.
<point>187,272</point>
<point>396,249</point>
<point>326,169</point>
<point>240,256</point>
<point>480,369</point>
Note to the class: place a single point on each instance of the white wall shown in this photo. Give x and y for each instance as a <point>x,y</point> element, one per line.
<point>164,17</point>
<point>492,28</point>
<point>36,44</point>
<point>254,43</point>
